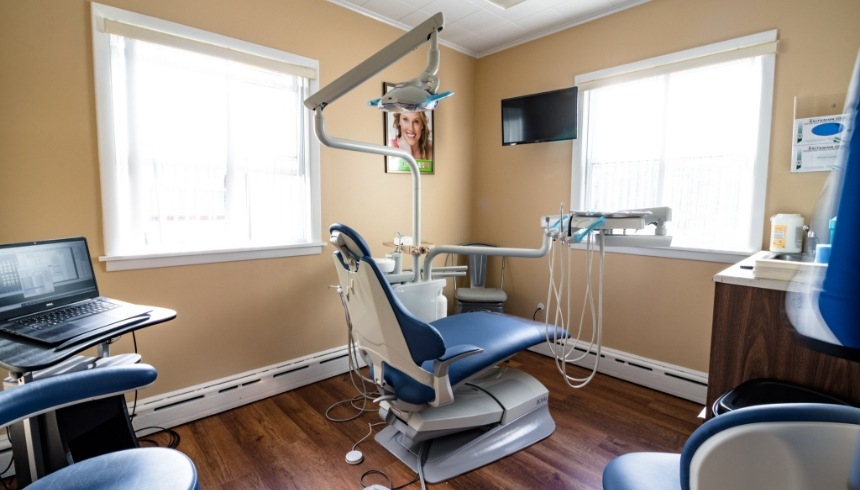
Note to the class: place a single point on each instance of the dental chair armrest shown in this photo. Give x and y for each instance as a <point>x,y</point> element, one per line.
<point>442,385</point>
<point>440,365</point>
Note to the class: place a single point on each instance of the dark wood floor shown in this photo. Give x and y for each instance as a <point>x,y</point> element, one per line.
<point>286,441</point>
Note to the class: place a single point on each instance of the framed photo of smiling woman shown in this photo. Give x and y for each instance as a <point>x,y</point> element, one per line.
<point>411,131</point>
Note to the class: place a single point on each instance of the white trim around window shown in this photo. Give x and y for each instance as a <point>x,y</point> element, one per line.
<point>303,161</point>
<point>762,44</point>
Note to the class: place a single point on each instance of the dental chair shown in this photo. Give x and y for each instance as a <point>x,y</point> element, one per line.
<point>137,468</point>
<point>793,446</point>
<point>449,406</point>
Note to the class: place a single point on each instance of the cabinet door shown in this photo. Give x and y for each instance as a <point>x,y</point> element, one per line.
<point>751,338</point>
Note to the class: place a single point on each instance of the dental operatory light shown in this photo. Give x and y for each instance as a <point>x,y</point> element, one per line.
<point>411,96</point>
<point>418,94</point>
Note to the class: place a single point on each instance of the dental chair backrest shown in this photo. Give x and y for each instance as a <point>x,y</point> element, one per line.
<point>393,341</point>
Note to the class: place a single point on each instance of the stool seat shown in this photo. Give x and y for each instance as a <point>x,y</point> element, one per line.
<point>643,471</point>
<point>481,295</point>
<point>140,468</point>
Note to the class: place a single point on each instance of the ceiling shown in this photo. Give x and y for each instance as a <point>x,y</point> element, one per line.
<point>482,27</point>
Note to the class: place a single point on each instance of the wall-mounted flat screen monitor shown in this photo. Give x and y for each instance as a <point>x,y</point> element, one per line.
<point>536,118</point>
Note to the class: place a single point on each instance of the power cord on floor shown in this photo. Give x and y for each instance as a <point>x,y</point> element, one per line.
<point>419,476</point>
<point>8,479</point>
<point>173,437</point>
<point>387,478</point>
<point>355,376</point>
<point>369,433</point>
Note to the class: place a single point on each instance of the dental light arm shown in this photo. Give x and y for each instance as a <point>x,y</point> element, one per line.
<point>426,85</point>
<point>386,56</point>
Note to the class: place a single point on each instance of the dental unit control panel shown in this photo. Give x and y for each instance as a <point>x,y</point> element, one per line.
<point>616,226</point>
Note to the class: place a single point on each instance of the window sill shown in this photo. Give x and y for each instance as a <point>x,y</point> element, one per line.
<point>675,253</point>
<point>132,262</point>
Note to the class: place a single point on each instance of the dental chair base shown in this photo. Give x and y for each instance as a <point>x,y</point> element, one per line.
<point>494,416</point>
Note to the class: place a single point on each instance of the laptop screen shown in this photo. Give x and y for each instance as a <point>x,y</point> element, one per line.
<point>36,276</point>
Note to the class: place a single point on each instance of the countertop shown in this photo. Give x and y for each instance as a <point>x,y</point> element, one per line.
<point>742,274</point>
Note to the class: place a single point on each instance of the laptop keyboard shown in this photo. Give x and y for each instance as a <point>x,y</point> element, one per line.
<point>63,315</point>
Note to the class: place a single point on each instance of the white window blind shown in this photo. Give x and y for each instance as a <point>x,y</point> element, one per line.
<point>205,146</point>
<point>690,131</point>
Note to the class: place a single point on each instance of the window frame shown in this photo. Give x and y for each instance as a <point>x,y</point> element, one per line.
<point>227,47</point>
<point>760,44</point>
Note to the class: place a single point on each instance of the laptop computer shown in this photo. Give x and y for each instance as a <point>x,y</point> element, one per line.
<point>48,293</point>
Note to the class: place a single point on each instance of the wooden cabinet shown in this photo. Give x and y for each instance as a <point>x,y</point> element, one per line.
<point>752,338</point>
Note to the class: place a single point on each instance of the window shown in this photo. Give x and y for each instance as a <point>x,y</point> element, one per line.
<point>205,147</point>
<point>689,131</point>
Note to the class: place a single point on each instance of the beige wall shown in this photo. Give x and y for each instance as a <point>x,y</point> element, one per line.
<point>232,317</point>
<point>656,308</point>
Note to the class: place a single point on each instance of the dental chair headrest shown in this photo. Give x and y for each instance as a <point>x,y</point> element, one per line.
<point>349,243</point>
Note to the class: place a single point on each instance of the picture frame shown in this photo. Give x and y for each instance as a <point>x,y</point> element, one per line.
<point>422,143</point>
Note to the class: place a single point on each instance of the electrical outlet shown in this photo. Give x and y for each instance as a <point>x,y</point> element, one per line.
<point>540,307</point>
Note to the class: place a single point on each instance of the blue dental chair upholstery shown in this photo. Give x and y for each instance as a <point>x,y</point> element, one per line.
<point>780,446</point>
<point>441,381</point>
<point>138,468</point>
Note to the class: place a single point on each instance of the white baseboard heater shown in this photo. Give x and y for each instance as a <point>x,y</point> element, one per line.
<point>667,378</point>
<point>183,406</point>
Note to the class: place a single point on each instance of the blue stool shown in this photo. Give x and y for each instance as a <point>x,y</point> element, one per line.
<point>142,468</point>
<point>136,468</point>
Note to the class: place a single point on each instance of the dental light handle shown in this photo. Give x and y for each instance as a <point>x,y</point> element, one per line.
<point>429,76</point>
<point>359,146</point>
<point>531,253</point>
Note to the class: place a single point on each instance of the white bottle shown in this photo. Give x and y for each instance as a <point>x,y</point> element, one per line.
<point>786,233</point>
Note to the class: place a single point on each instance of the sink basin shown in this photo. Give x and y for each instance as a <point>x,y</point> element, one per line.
<point>788,267</point>
<point>789,257</point>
